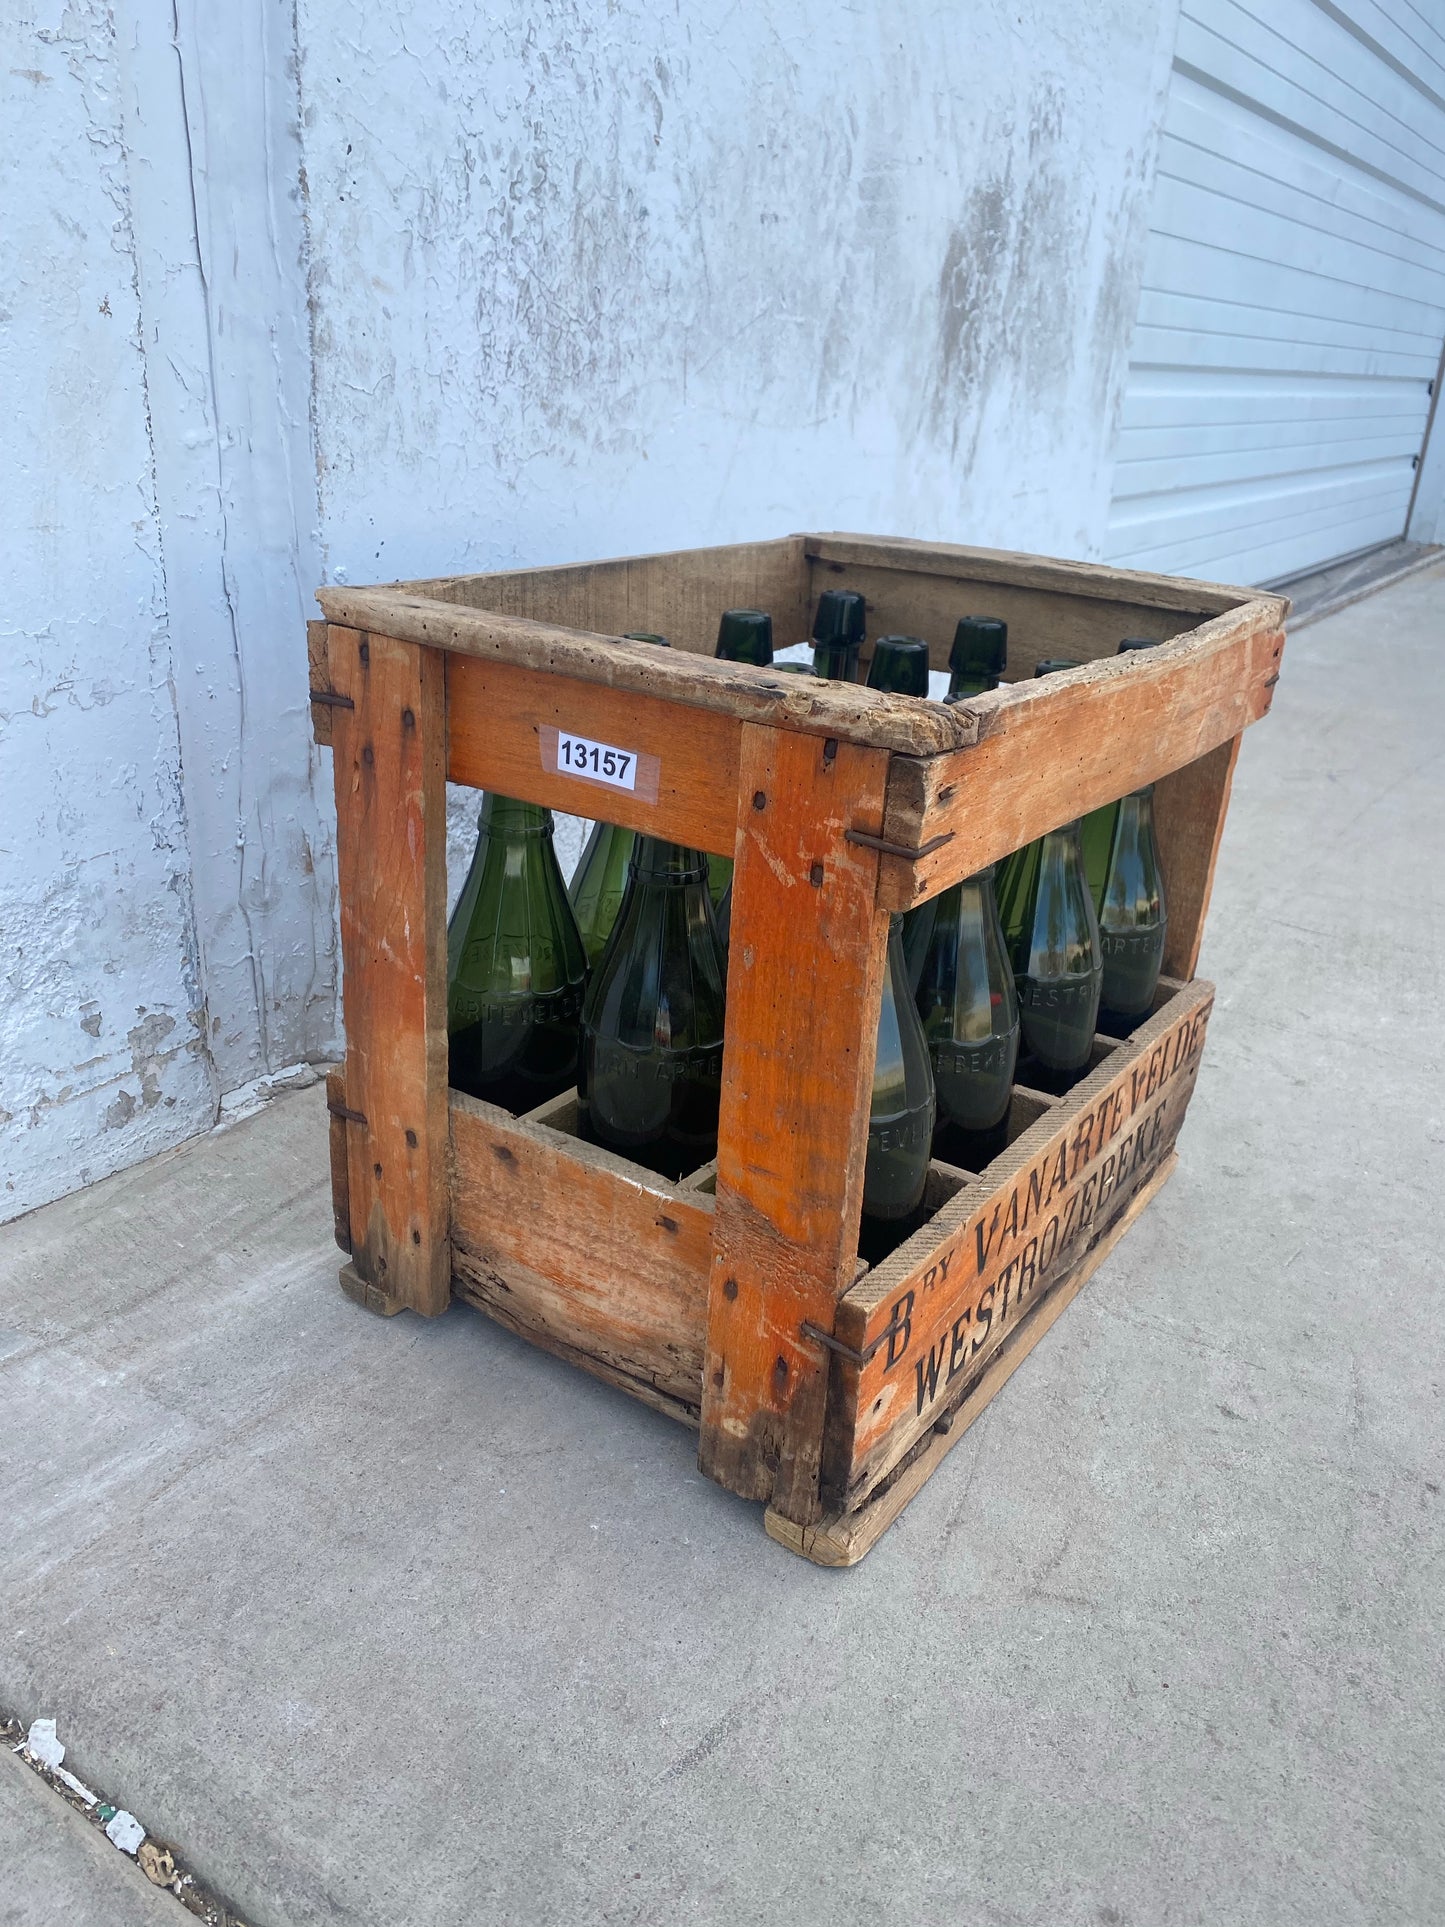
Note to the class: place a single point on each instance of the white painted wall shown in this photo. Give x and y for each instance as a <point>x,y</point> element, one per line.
<point>102,1054</point>
<point>397,291</point>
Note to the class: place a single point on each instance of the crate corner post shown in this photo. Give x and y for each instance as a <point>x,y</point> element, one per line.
<point>806,962</point>
<point>388,724</point>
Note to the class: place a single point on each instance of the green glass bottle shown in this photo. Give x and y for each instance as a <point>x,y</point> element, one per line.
<point>899,665</point>
<point>652,1023</point>
<point>743,635</point>
<point>600,879</point>
<point>970,1014</point>
<point>838,630</point>
<point>1133,918</point>
<point>746,635</point>
<point>901,1118</point>
<point>1099,824</point>
<point>978,657</point>
<point>516,968</point>
<point>1018,872</point>
<point>1058,969</point>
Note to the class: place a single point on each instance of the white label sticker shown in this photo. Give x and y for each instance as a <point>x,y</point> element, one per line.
<point>602,762</point>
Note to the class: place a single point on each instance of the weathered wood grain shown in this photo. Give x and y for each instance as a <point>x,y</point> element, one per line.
<point>805,971</point>
<point>843,1538</point>
<point>340,1177</point>
<point>930,1317</point>
<point>390,771</point>
<point>845,711</point>
<point>582,1252</point>
<point>1190,805</point>
<point>495,711</point>
<point>1008,568</point>
<point>319,677</point>
<point>1050,750</point>
<point>679,595</point>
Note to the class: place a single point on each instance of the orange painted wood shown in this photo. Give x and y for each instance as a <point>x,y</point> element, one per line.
<point>340,1173</point>
<point>932,1316</point>
<point>843,1538</point>
<point>1052,749</point>
<point>582,1252</point>
<point>390,771</point>
<point>804,980</point>
<point>1190,806</point>
<point>495,711</point>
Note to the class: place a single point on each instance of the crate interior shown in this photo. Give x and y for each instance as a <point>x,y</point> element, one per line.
<point>682,595</point>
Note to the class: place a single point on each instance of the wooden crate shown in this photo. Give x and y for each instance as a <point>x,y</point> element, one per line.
<point>735,1300</point>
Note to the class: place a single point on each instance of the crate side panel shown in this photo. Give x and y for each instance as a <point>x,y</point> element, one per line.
<point>1041,621</point>
<point>390,774</point>
<point>679,595</point>
<point>940,1307</point>
<point>1190,805</point>
<point>496,712</point>
<point>1051,750</point>
<point>581,1251</point>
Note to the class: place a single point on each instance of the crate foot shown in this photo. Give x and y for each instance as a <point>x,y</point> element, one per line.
<point>366,1295</point>
<point>843,1538</point>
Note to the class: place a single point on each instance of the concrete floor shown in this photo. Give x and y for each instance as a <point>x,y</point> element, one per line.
<point>405,1623</point>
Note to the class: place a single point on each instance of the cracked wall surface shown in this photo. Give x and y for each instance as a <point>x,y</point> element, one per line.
<point>102,1057</point>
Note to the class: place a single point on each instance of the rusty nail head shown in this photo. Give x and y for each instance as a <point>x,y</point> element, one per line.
<point>760,799</point>
<point>730,1289</point>
<point>408,721</point>
<point>368,756</point>
<point>364,652</point>
<point>830,750</point>
<point>411,1140</point>
<point>815,876</point>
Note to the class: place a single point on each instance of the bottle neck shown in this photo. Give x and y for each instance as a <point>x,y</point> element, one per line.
<point>655,861</point>
<point>505,816</point>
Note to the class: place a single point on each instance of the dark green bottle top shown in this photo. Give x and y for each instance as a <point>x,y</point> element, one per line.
<point>645,635</point>
<point>746,635</point>
<point>900,665</point>
<point>980,651</point>
<point>1137,642</point>
<point>1050,665</point>
<point>840,617</point>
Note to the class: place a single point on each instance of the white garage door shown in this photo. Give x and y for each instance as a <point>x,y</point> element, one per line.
<point>1293,307</point>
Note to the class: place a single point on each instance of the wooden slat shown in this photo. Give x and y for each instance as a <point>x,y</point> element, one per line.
<point>340,1175</point>
<point>494,712</point>
<point>679,595</point>
<point>1005,568</point>
<point>1190,806</point>
<point>1052,749</point>
<point>843,1538</point>
<point>1041,622</point>
<point>845,711</point>
<point>804,977</point>
<point>319,671</point>
<point>930,1317</point>
<point>390,771</point>
<point>582,1252</point>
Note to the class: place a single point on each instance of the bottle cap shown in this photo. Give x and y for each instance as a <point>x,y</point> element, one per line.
<point>1050,665</point>
<point>840,617</point>
<point>980,649</point>
<point>1137,642</point>
<point>900,665</point>
<point>645,635</point>
<point>746,635</point>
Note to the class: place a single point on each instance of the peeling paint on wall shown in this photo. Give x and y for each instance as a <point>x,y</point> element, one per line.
<point>101,1056</point>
